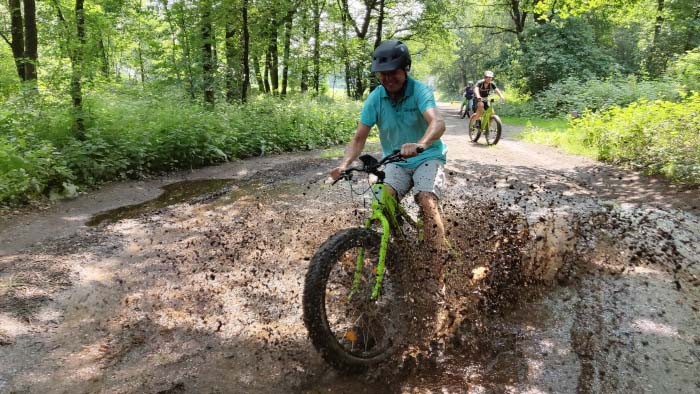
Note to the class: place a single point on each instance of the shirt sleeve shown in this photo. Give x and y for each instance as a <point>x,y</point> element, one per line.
<point>425,97</point>
<point>370,110</point>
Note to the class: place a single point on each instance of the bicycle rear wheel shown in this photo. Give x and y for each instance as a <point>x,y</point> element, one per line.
<point>474,132</point>
<point>493,134</point>
<point>348,328</point>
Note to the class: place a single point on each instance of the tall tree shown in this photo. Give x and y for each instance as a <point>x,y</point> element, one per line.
<point>207,37</point>
<point>31,43</point>
<point>17,34</point>
<point>288,21</point>
<point>245,52</point>
<point>75,44</point>
<point>24,43</point>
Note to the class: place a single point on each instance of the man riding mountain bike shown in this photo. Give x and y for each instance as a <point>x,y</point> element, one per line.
<point>482,92</point>
<point>405,112</point>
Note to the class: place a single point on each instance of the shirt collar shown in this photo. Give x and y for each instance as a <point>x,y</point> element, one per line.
<point>408,92</point>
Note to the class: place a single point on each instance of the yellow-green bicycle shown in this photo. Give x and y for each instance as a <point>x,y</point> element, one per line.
<point>490,129</point>
<point>352,290</point>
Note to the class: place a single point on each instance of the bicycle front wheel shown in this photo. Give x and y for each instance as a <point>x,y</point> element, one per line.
<point>493,134</point>
<point>349,329</point>
<point>474,132</point>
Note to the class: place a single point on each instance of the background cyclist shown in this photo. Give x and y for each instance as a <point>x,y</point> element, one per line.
<point>481,93</point>
<point>468,102</point>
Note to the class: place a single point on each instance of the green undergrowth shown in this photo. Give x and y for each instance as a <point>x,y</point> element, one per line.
<point>654,137</point>
<point>131,134</point>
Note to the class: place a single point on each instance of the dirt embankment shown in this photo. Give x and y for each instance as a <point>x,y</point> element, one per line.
<point>573,277</point>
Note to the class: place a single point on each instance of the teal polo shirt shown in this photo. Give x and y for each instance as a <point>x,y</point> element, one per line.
<point>403,122</point>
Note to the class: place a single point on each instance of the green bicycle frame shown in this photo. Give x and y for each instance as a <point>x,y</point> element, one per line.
<point>488,112</point>
<point>385,210</point>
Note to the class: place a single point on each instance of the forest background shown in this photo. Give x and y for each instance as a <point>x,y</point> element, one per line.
<point>112,89</point>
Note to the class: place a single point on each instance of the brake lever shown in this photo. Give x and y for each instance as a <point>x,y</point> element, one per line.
<point>346,175</point>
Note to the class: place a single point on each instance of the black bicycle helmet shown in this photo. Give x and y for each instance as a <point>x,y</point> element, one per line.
<point>391,55</point>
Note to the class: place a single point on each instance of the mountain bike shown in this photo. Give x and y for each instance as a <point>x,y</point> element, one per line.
<point>352,290</point>
<point>491,129</point>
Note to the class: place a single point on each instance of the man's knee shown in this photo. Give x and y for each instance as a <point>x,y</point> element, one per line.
<point>427,200</point>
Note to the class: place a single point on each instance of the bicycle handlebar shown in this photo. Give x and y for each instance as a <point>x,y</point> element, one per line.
<point>370,165</point>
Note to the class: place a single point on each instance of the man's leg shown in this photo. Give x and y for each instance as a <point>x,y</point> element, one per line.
<point>433,227</point>
<point>479,110</point>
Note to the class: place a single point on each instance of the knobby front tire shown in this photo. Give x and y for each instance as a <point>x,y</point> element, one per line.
<point>493,135</point>
<point>474,133</point>
<point>351,333</point>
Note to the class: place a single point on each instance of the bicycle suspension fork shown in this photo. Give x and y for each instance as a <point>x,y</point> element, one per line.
<point>382,200</point>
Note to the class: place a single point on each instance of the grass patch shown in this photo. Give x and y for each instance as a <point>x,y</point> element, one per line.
<point>553,132</point>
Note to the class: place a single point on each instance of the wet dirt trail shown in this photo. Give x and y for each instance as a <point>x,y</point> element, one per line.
<point>574,277</point>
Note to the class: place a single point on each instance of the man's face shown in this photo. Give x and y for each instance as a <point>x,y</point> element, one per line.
<point>488,79</point>
<point>392,80</point>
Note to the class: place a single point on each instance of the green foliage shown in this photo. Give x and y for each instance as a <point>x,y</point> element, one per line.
<point>560,50</point>
<point>9,82</point>
<point>658,137</point>
<point>685,70</point>
<point>131,134</point>
<point>573,95</point>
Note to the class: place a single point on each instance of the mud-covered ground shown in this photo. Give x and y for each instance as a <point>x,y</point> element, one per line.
<point>572,277</point>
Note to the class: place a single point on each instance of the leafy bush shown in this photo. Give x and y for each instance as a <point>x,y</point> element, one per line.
<point>571,94</point>
<point>686,70</point>
<point>659,137</point>
<point>133,133</point>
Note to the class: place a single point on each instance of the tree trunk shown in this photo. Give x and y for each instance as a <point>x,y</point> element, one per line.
<point>31,54</point>
<point>274,59</point>
<point>141,65</point>
<point>518,16</point>
<point>656,58</point>
<point>287,43</point>
<point>245,54</point>
<point>258,75</point>
<point>231,63</point>
<point>317,10</point>
<point>76,72</point>
<point>17,33</point>
<point>104,62</point>
<point>373,82</point>
<point>266,71</point>
<point>356,74</point>
<point>207,52</point>
<point>304,81</point>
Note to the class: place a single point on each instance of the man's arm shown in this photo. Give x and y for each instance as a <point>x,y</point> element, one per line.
<point>352,150</point>
<point>435,130</point>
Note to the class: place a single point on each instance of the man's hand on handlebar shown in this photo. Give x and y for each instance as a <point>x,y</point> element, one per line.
<point>411,149</point>
<point>337,172</point>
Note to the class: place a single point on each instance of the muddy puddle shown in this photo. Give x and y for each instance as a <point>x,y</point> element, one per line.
<point>551,292</point>
<point>173,193</point>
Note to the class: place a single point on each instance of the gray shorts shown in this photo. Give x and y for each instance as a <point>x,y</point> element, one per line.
<point>427,177</point>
